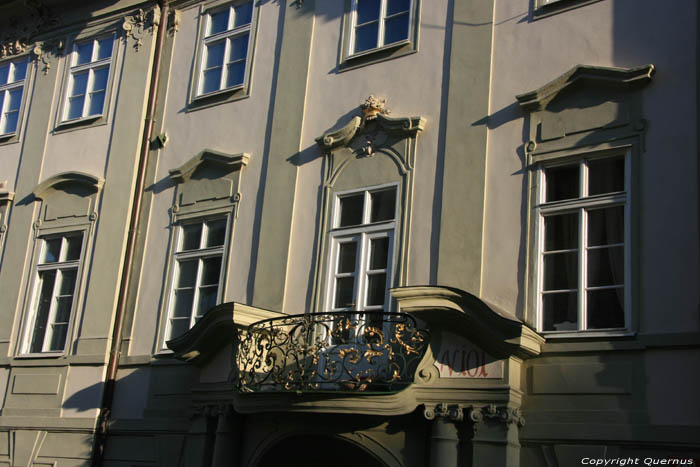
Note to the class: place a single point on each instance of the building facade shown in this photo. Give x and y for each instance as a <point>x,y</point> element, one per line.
<point>349,232</point>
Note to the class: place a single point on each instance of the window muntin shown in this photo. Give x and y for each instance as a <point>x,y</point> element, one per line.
<point>88,79</point>
<point>12,78</point>
<point>362,243</point>
<point>54,292</point>
<point>584,239</point>
<point>225,48</point>
<point>197,273</point>
<point>379,23</point>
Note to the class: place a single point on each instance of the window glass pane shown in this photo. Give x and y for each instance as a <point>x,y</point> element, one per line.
<point>396,29</point>
<point>52,250</point>
<point>212,80</point>
<point>243,13</point>
<point>379,253</point>
<point>366,37</point>
<point>376,289</point>
<point>606,226</point>
<point>4,73</point>
<point>606,266</point>
<point>67,281</point>
<point>63,306</point>
<point>14,100</point>
<point>239,48</point>
<point>188,273</point>
<point>46,283</point>
<point>606,175</point>
<point>561,232</point>
<point>215,54</point>
<point>178,327</point>
<point>97,100</point>
<point>79,83</point>
<point>216,233</point>
<point>344,292</point>
<point>191,236</point>
<point>560,271</point>
<point>559,312</point>
<point>10,122</point>
<point>99,79</point>
<point>351,210</point>
<point>211,270</point>
<point>20,71</point>
<point>218,21</point>
<point>83,53</point>
<point>606,308</point>
<point>367,10</point>
<point>73,247</point>
<point>58,336</point>
<point>183,303</point>
<point>235,74</point>
<point>207,299</point>
<point>397,6</point>
<point>347,257</point>
<point>104,48</point>
<point>75,107</point>
<point>383,205</point>
<point>562,183</point>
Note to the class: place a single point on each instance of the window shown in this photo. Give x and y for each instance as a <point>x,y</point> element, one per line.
<point>583,218</point>
<point>379,23</point>
<point>88,78</point>
<point>362,243</point>
<point>197,274</point>
<point>12,77</point>
<point>224,49</point>
<point>54,292</point>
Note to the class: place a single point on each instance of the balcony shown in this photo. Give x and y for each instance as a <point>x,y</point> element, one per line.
<point>372,352</point>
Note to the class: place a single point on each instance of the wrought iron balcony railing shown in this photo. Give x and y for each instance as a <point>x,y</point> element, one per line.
<point>339,351</point>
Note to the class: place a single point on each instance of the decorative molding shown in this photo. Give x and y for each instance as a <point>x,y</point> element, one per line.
<point>505,415</point>
<point>211,409</point>
<point>18,32</point>
<point>174,19</point>
<point>596,75</point>
<point>373,107</point>
<point>453,412</point>
<point>210,156</point>
<point>43,51</point>
<point>80,178</point>
<point>137,24</point>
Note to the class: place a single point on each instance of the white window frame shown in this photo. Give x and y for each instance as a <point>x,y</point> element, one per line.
<point>380,30</point>
<point>59,266</point>
<point>580,205</point>
<point>90,67</point>
<point>198,254</point>
<point>5,90</point>
<point>227,36</point>
<point>362,234</point>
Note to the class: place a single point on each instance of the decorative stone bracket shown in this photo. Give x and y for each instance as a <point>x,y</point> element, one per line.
<point>137,24</point>
<point>455,413</point>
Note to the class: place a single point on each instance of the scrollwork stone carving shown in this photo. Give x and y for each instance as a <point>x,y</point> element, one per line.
<point>453,412</point>
<point>506,415</point>
<point>18,32</point>
<point>137,24</point>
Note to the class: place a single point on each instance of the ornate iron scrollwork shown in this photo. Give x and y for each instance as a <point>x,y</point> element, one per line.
<point>338,351</point>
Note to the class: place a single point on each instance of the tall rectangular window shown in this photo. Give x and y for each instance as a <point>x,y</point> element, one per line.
<point>197,273</point>
<point>379,23</point>
<point>583,242</point>
<point>361,256</point>
<point>90,63</point>
<point>12,78</point>
<point>55,286</point>
<point>225,47</point>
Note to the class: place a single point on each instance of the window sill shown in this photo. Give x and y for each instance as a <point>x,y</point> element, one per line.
<point>578,335</point>
<point>80,123</point>
<point>43,355</point>
<point>9,138</point>
<point>218,97</point>
<point>559,6</point>
<point>377,55</point>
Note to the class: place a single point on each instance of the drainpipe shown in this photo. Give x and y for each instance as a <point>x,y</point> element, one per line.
<point>132,234</point>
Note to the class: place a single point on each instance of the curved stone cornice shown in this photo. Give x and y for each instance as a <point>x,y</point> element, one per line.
<point>595,75</point>
<point>214,329</point>
<point>340,137</point>
<point>79,178</point>
<point>209,156</point>
<point>469,316</point>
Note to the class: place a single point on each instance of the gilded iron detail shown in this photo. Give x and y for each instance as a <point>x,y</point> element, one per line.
<point>336,351</point>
